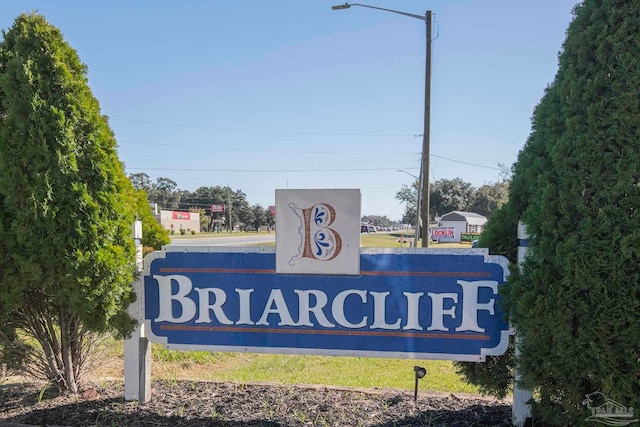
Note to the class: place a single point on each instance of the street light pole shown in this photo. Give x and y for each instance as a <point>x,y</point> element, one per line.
<point>426,137</point>
<point>417,223</point>
<point>423,190</point>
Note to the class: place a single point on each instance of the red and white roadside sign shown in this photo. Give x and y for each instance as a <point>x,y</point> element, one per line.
<point>181,215</point>
<point>443,234</point>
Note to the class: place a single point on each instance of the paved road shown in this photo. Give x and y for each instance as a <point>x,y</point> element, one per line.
<point>224,241</point>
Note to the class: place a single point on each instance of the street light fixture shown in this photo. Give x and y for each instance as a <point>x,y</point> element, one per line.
<point>417,226</point>
<point>423,191</point>
<point>420,373</point>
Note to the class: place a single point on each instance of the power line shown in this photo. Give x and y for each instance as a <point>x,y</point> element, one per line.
<point>290,132</point>
<point>269,150</point>
<point>465,163</point>
<point>288,151</point>
<point>313,170</point>
<point>268,170</point>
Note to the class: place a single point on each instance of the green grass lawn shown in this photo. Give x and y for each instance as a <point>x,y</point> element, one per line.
<point>401,239</point>
<point>387,240</point>
<point>212,234</point>
<point>358,372</point>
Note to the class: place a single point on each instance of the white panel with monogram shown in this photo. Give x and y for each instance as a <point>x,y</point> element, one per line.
<point>318,231</point>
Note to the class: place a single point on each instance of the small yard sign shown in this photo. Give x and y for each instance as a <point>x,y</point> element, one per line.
<point>444,234</point>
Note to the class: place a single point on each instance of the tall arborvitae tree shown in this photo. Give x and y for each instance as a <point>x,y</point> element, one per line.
<point>577,301</point>
<point>495,375</point>
<point>66,206</point>
<point>154,235</point>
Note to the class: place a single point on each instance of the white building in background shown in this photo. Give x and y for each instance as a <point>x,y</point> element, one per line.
<point>462,223</point>
<point>179,220</point>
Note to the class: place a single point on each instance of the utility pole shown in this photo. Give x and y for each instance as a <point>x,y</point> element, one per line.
<point>423,191</point>
<point>424,173</point>
<point>230,221</point>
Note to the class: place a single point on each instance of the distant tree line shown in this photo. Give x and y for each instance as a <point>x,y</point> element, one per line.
<point>376,220</point>
<point>447,195</point>
<point>237,211</point>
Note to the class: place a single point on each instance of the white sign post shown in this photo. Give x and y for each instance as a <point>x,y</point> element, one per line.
<point>137,351</point>
<point>521,410</point>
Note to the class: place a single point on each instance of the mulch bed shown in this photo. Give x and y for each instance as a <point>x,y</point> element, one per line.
<point>194,403</point>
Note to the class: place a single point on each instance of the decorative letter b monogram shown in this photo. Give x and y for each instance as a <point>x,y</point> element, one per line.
<point>318,241</point>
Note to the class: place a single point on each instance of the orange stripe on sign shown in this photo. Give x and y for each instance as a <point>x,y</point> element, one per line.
<point>426,273</point>
<point>216,270</point>
<point>362,273</point>
<point>323,332</point>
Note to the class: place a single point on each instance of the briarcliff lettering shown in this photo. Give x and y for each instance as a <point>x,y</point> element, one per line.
<point>314,308</point>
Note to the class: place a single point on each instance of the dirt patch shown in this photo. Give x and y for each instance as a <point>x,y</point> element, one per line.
<point>196,403</point>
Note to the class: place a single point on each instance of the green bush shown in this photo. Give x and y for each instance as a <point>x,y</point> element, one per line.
<point>154,235</point>
<point>183,231</point>
<point>14,353</point>
<point>495,375</point>
<point>576,303</point>
<point>59,176</point>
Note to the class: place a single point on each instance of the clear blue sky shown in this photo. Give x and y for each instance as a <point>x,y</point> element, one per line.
<point>264,95</point>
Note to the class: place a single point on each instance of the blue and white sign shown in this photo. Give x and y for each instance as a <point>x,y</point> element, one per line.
<point>412,303</point>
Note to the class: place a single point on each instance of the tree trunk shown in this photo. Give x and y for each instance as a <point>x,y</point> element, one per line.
<point>37,322</point>
<point>66,331</point>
